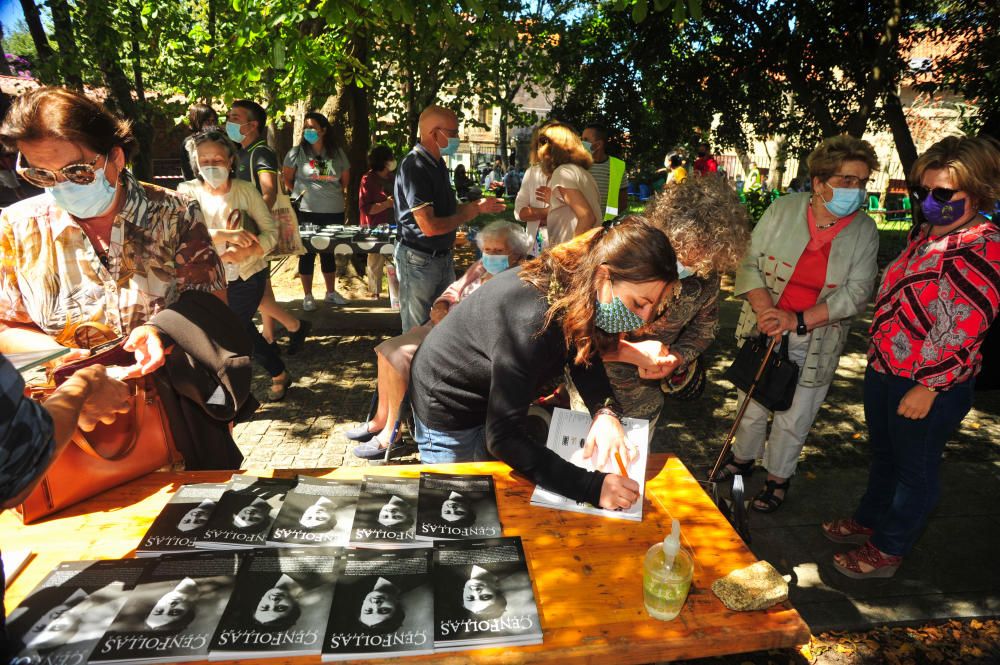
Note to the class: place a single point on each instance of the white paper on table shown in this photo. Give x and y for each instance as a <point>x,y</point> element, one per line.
<point>567,434</point>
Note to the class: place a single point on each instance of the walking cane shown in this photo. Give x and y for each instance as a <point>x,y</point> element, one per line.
<point>737,514</point>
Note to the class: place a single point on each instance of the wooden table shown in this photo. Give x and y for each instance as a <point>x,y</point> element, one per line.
<point>587,571</point>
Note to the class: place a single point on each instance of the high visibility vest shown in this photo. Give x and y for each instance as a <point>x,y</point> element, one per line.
<point>616,172</point>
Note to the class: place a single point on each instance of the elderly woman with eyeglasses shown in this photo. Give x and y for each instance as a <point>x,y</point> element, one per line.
<point>97,247</point>
<point>244,232</point>
<point>935,306</point>
<point>810,268</point>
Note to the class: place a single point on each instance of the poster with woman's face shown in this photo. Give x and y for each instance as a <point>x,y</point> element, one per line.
<point>280,590</point>
<point>62,619</point>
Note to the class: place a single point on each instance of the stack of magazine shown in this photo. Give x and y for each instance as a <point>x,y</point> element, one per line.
<point>259,567</point>
<point>333,602</point>
<point>379,512</point>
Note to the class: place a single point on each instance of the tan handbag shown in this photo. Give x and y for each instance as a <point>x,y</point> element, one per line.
<point>136,443</point>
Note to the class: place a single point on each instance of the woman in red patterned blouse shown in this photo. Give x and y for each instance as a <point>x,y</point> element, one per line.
<point>934,308</point>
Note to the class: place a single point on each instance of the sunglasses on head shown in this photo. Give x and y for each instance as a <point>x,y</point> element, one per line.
<point>82,173</point>
<point>940,194</point>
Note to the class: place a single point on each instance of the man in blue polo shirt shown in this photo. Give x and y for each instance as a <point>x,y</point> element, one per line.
<point>428,213</point>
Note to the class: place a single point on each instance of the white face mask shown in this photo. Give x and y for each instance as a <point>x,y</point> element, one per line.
<point>215,176</point>
<point>391,165</point>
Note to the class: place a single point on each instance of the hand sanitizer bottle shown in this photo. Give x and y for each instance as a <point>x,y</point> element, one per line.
<point>666,576</point>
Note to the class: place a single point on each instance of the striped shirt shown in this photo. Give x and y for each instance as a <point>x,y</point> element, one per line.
<point>602,174</point>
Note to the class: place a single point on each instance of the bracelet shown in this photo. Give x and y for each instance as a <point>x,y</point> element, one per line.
<point>607,411</point>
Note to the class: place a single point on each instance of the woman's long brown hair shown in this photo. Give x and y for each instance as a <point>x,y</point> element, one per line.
<point>633,251</point>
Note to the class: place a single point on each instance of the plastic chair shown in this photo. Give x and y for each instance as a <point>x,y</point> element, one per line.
<point>632,190</point>
<point>644,192</point>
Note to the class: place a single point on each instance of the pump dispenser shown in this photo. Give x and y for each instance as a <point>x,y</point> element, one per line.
<point>666,576</point>
<point>671,545</point>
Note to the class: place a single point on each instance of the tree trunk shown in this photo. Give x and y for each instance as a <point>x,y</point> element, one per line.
<point>69,63</point>
<point>780,160</point>
<point>97,21</point>
<point>4,65</point>
<point>358,112</point>
<point>503,135</point>
<point>900,131</point>
<point>991,125</point>
<point>34,21</point>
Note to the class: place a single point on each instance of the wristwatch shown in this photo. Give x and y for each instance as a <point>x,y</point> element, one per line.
<point>801,328</point>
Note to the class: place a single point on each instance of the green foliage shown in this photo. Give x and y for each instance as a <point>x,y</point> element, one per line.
<point>756,203</point>
<point>645,81</point>
<point>18,41</point>
<point>967,31</point>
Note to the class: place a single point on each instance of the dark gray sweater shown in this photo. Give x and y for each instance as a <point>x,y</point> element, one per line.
<point>485,363</point>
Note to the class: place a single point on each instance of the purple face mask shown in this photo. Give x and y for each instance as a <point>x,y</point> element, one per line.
<point>942,214</point>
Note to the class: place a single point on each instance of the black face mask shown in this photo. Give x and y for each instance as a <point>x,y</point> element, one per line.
<point>702,153</point>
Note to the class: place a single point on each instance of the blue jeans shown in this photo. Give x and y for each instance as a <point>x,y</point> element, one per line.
<point>904,479</point>
<point>244,298</point>
<point>422,278</point>
<point>440,447</point>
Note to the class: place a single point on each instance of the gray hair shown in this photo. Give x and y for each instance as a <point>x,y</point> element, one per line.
<point>513,234</point>
<point>192,142</point>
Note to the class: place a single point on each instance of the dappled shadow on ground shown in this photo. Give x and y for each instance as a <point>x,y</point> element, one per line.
<point>696,430</point>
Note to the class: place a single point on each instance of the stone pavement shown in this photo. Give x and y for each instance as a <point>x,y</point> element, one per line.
<point>334,376</point>
<point>952,572</point>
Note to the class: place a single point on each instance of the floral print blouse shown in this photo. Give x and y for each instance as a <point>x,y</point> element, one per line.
<point>52,277</point>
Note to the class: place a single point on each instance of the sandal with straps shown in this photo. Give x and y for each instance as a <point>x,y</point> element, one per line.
<point>726,470</point>
<point>768,498</point>
<point>879,563</point>
<point>847,530</point>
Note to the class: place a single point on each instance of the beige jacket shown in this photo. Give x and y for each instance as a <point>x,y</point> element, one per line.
<point>778,241</point>
<point>242,195</point>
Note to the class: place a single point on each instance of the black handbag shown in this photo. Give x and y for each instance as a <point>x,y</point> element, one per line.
<point>775,388</point>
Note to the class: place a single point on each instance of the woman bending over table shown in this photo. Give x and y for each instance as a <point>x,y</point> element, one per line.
<point>478,371</point>
<point>504,245</point>
<point>937,301</point>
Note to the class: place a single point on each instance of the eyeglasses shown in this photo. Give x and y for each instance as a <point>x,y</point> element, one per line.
<point>851,181</point>
<point>80,174</point>
<point>448,132</point>
<point>940,194</point>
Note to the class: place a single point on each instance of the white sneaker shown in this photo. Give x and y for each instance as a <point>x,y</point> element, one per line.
<point>309,304</point>
<point>334,298</point>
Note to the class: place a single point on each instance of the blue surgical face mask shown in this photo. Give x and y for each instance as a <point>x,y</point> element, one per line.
<point>683,271</point>
<point>587,145</point>
<point>615,317</point>
<point>844,201</point>
<point>85,201</point>
<point>233,131</point>
<point>311,135</point>
<point>495,263</point>
<point>452,146</point>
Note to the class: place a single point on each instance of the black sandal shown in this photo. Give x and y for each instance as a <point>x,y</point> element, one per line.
<point>768,498</point>
<point>742,469</point>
